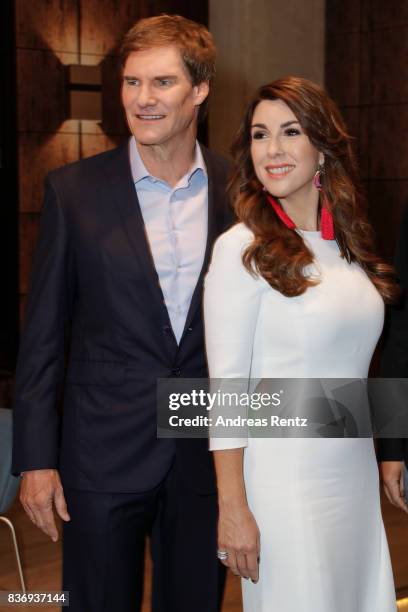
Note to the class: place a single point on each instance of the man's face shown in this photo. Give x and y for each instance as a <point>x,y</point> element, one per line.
<point>160,102</point>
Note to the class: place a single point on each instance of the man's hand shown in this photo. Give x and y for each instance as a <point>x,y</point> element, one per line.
<point>238,535</point>
<point>392,477</point>
<point>40,490</point>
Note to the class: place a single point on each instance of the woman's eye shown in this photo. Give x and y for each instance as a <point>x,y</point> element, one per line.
<point>258,135</point>
<point>292,132</point>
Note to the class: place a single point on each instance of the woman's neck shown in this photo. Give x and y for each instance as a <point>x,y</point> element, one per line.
<point>303,210</point>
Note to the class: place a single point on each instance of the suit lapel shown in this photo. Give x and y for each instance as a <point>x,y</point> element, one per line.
<point>123,192</point>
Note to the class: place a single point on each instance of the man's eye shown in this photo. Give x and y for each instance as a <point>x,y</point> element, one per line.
<point>258,135</point>
<point>164,82</point>
<point>132,82</point>
<point>292,132</point>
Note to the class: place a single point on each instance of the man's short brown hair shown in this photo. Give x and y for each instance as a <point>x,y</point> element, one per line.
<point>193,40</point>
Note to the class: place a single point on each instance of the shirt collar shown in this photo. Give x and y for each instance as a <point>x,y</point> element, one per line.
<point>140,172</point>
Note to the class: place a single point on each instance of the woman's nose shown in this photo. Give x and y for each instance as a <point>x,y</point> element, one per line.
<point>274,146</point>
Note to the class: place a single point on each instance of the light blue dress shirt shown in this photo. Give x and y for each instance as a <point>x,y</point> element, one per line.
<point>176,220</point>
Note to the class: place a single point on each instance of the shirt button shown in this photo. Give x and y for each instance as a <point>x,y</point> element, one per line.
<point>176,372</point>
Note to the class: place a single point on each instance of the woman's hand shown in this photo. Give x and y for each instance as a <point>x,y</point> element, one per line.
<point>393,483</point>
<point>238,535</point>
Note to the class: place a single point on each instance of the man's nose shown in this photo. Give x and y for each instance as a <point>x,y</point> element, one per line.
<point>145,96</point>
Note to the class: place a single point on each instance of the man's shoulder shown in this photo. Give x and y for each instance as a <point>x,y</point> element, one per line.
<point>84,169</point>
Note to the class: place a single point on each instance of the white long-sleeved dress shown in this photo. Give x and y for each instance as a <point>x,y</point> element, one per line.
<point>316,501</point>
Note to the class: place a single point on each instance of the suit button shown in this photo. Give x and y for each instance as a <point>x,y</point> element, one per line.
<point>176,372</point>
<point>189,329</point>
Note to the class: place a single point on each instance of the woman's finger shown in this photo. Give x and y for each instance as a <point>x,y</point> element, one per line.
<point>253,566</point>
<point>232,562</point>
<point>388,494</point>
<point>242,565</point>
<point>393,493</point>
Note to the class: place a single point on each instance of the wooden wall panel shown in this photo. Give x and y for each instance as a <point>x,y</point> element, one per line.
<point>387,199</point>
<point>344,48</point>
<point>389,152</point>
<point>37,152</point>
<point>47,24</point>
<point>198,10</point>
<point>113,115</point>
<point>91,144</point>
<point>389,56</point>
<point>41,99</point>
<point>103,24</point>
<point>342,17</point>
<point>365,78</point>
<point>364,137</point>
<point>28,234</point>
<point>352,119</point>
<point>392,14</point>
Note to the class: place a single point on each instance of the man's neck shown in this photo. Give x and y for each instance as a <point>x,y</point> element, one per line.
<point>169,163</point>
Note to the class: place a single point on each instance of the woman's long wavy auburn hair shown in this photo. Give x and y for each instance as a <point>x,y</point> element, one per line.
<point>278,253</point>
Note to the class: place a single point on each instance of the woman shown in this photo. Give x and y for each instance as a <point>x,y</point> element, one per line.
<point>284,299</point>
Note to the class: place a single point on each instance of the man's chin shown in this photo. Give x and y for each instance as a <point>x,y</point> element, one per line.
<point>145,140</point>
<point>149,143</point>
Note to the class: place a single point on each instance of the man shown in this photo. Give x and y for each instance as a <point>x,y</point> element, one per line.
<point>125,241</point>
<point>392,452</point>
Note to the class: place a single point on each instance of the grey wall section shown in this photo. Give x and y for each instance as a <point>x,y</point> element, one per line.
<point>258,41</point>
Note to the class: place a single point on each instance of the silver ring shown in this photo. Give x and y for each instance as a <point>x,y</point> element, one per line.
<point>222,555</point>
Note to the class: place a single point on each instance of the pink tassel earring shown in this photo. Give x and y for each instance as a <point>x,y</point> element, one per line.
<point>326,218</point>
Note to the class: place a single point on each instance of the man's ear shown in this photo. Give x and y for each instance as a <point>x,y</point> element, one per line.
<point>201,91</point>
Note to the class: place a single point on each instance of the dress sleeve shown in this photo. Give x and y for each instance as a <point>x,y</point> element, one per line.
<point>232,297</point>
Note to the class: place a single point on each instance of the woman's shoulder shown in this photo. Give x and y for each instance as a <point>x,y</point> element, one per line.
<point>237,237</point>
<point>227,266</point>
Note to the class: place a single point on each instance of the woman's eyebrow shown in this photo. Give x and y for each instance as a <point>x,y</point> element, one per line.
<point>287,123</point>
<point>283,125</point>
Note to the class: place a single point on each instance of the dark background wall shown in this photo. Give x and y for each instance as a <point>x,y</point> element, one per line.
<point>366,72</point>
<point>8,202</point>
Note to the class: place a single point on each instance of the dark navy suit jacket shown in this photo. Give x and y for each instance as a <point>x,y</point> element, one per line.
<point>94,275</point>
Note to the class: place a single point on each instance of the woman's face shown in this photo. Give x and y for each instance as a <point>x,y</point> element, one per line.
<point>284,159</point>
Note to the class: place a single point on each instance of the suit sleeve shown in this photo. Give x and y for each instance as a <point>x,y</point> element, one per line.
<point>394,363</point>
<point>41,356</point>
<point>231,304</point>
